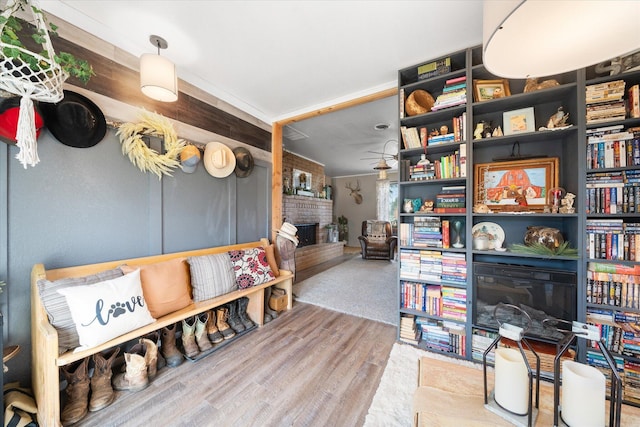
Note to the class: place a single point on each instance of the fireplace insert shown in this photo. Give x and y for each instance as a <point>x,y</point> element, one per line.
<point>541,293</point>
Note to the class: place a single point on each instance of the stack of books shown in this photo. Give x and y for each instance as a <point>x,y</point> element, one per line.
<point>443,336</point>
<point>454,93</point>
<point>454,268</point>
<point>454,303</point>
<point>427,232</point>
<point>605,102</point>
<point>410,137</point>
<point>435,68</point>
<point>480,341</point>
<point>612,147</point>
<point>409,332</point>
<point>421,297</point>
<point>612,239</point>
<point>613,192</point>
<point>410,264</point>
<point>422,171</point>
<point>629,321</point>
<point>451,199</point>
<point>431,266</point>
<point>633,101</point>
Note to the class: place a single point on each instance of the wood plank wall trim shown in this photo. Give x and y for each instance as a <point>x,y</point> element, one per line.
<point>123,84</point>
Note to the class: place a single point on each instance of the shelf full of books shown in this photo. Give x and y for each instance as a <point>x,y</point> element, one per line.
<point>437,335</point>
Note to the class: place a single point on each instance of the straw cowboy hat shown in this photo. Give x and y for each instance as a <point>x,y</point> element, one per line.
<point>288,231</point>
<point>219,160</point>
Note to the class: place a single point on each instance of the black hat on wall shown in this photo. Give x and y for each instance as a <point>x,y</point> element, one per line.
<point>75,121</point>
<point>244,162</point>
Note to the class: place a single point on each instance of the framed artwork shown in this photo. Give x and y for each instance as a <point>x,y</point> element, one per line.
<point>499,185</point>
<point>518,121</point>
<point>301,180</point>
<point>484,90</point>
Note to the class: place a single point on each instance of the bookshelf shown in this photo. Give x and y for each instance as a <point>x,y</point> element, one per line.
<point>569,155</point>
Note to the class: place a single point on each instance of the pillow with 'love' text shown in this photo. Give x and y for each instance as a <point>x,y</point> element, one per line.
<point>108,309</point>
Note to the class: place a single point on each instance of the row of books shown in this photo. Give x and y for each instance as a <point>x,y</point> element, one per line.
<point>454,93</point>
<point>447,337</point>
<point>454,303</point>
<point>448,166</point>
<point>409,332</point>
<point>619,330</point>
<point>617,153</point>
<point>619,290</point>
<point>628,371</point>
<point>421,297</point>
<point>605,102</point>
<point>416,264</point>
<point>613,199</point>
<point>427,232</point>
<point>613,239</point>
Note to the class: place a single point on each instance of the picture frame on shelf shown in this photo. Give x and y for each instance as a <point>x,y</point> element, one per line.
<point>502,186</point>
<point>484,90</point>
<point>518,121</point>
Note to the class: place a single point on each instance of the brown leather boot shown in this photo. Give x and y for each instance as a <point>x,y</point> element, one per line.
<point>189,338</point>
<point>150,357</point>
<point>213,333</point>
<point>102,394</point>
<point>77,391</point>
<point>221,323</point>
<point>168,347</point>
<point>201,332</point>
<point>135,377</point>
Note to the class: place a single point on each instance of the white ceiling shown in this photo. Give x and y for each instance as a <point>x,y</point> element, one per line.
<point>279,59</point>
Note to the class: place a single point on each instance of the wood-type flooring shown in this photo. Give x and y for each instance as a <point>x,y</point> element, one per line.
<point>308,367</point>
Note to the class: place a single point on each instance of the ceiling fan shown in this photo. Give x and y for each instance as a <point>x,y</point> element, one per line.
<point>381,163</point>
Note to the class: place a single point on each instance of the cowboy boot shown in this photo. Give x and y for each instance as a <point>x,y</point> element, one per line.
<point>102,394</point>
<point>150,357</point>
<point>223,326</point>
<point>242,312</point>
<point>135,377</point>
<point>155,338</point>
<point>267,309</point>
<point>168,347</point>
<point>188,337</point>
<point>213,333</point>
<point>77,391</point>
<point>201,332</point>
<point>234,319</point>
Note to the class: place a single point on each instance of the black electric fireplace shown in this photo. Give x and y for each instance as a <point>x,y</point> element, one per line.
<point>541,293</point>
<point>307,234</point>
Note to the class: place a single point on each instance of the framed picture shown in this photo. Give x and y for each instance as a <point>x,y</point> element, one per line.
<point>518,121</point>
<point>499,185</point>
<point>484,90</point>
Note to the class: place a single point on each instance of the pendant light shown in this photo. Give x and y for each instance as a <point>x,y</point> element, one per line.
<point>158,76</point>
<point>536,38</point>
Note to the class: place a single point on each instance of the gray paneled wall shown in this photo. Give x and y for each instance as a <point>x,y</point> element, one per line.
<point>81,206</point>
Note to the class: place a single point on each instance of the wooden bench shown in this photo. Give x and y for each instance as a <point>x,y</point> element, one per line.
<point>44,338</point>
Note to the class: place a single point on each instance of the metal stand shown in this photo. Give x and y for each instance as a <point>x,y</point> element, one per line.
<point>516,334</point>
<point>582,330</point>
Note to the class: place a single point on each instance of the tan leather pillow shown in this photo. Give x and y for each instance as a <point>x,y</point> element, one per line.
<point>271,259</point>
<point>165,285</point>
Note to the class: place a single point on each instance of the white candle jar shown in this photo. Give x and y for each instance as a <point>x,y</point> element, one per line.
<point>583,395</point>
<point>511,381</point>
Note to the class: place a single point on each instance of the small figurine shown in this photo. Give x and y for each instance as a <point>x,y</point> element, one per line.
<point>558,120</point>
<point>481,208</point>
<point>434,132</point>
<point>408,206</point>
<point>567,203</point>
<point>532,85</point>
<point>444,129</point>
<point>487,130</point>
<point>497,131</point>
<point>427,206</point>
<point>477,133</point>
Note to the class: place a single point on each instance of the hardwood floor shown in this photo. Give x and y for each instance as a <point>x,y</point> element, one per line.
<point>308,367</point>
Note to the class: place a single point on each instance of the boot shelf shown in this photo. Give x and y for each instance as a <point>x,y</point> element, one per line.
<point>218,346</point>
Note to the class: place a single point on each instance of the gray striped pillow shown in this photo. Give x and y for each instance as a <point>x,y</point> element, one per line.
<point>57,309</point>
<point>211,276</point>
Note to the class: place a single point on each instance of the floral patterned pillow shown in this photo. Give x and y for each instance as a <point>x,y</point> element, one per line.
<point>251,267</point>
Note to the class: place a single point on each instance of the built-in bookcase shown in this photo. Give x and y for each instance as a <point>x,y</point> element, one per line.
<point>487,164</point>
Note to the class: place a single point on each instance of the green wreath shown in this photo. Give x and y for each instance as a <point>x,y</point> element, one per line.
<point>144,158</point>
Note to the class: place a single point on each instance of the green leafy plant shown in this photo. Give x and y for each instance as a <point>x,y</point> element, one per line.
<point>539,249</point>
<point>12,31</point>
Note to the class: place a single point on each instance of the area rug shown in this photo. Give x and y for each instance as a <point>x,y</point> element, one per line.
<point>363,288</point>
<point>392,405</point>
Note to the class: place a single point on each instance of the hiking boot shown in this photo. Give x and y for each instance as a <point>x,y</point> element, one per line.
<point>213,333</point>
<point>201,332</point>
<point>188,337</point>
<point>267,309</point>
<point>168,348</point>
<point>242,313</point>
<point>234,319</point>
<point>135,377</point>
<point>77,391</point>
<point>221,323</point>
<point>102,394</point>
<point>150,357</point>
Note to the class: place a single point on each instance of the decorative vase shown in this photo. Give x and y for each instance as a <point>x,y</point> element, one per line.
<point>547,236</point>
<point>457,229</point>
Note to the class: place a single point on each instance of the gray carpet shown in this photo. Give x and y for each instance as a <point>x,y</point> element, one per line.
<point>363,288</point>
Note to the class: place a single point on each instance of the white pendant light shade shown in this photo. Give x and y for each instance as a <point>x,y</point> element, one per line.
<point>158,78</point>
<point>536,38</point>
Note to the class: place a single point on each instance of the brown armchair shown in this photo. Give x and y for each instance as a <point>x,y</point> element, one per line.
<point>377,240</point>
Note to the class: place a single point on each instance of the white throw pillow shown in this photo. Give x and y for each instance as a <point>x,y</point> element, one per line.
<point>108,309</point>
